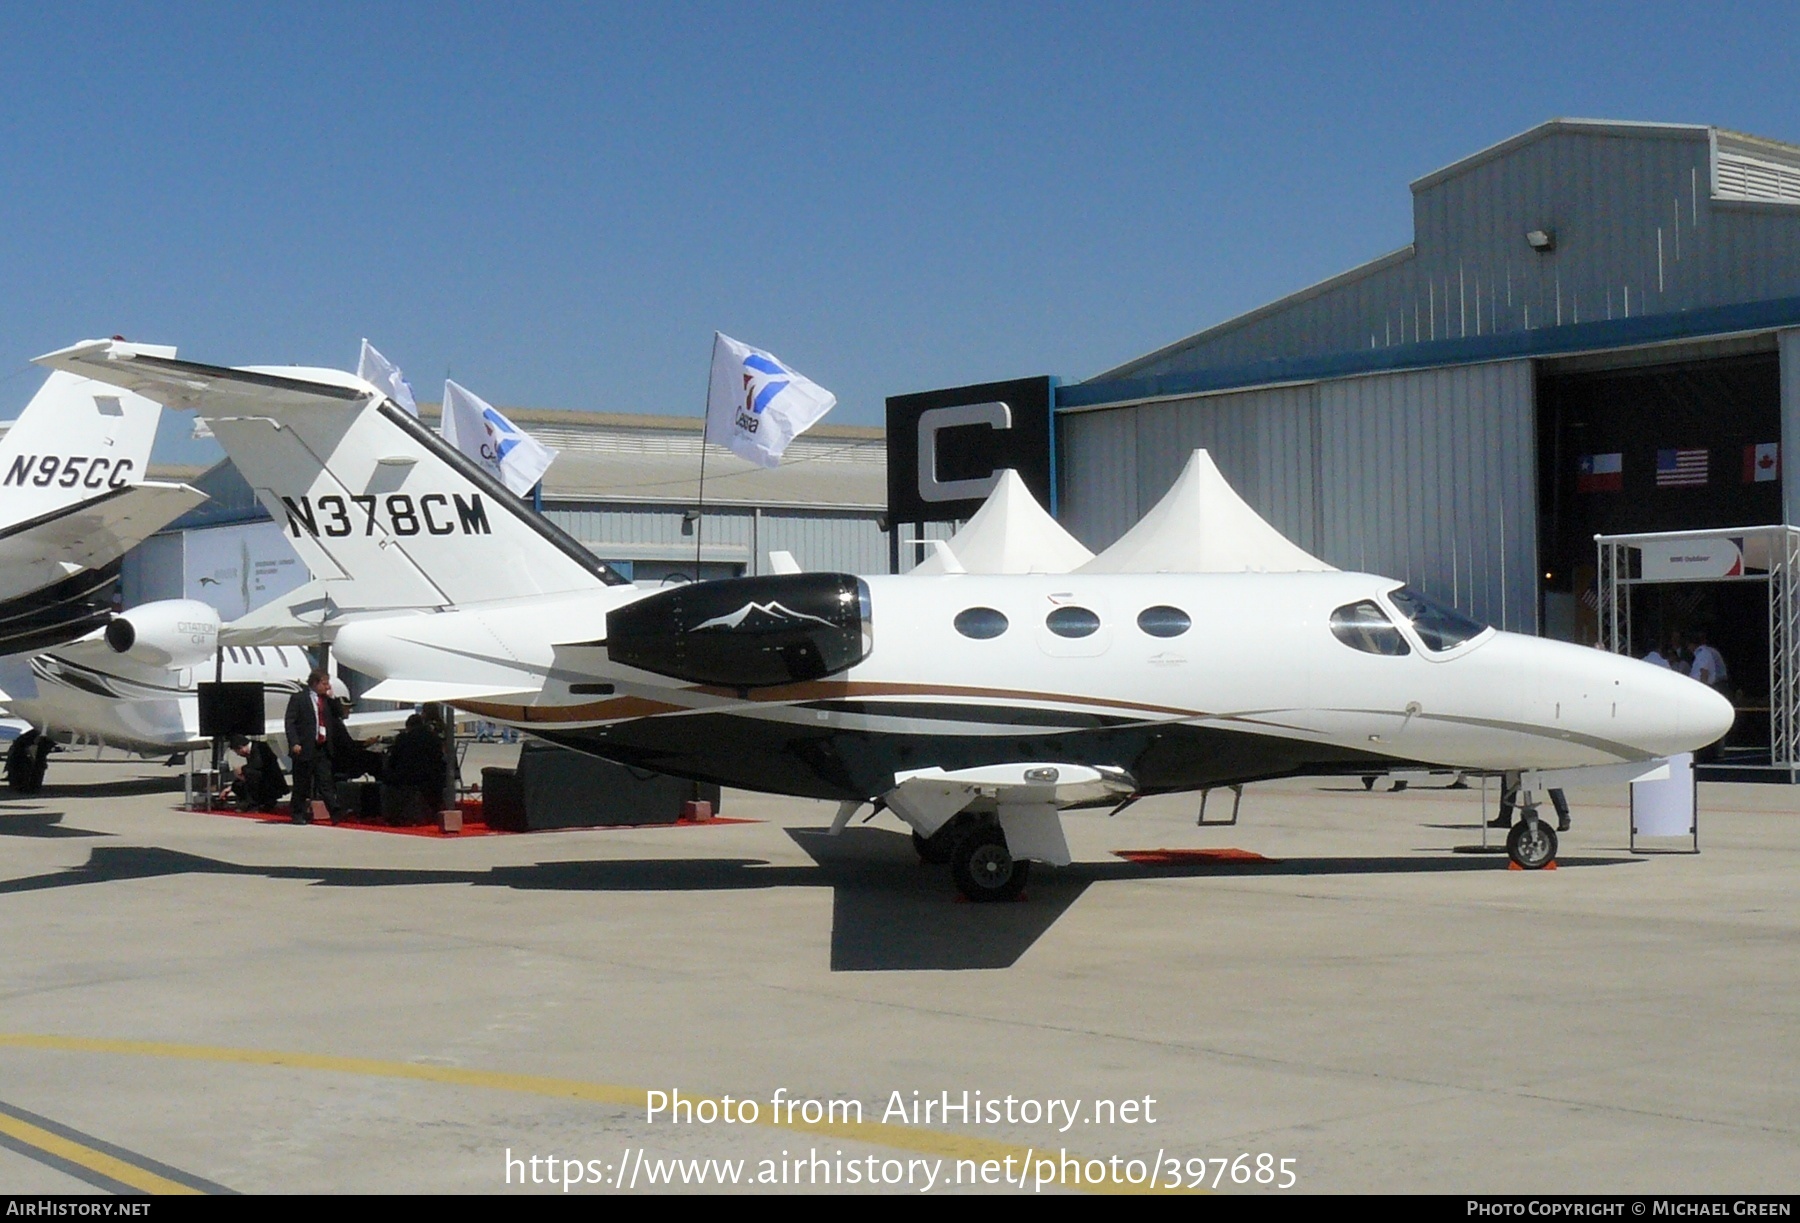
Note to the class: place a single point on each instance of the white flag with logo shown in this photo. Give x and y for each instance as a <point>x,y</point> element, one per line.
<point>371,366</point>
<point>477,428</point>
<point>757,405</point>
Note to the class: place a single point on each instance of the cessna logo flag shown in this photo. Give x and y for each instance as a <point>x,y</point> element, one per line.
<point>478,429</point>
<point>371,366</point>
<point>756,405</point>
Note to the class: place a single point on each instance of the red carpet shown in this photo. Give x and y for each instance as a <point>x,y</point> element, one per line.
<point>1176,857</point>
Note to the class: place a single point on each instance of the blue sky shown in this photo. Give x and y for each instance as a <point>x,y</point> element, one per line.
<point>559,204</point>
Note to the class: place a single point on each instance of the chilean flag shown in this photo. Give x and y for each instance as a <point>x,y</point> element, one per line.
<point>1601,473</point>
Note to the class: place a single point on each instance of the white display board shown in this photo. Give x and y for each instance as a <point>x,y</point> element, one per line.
<point>1666,808</point>
<point>1691,560</point>
<point>237,569</point>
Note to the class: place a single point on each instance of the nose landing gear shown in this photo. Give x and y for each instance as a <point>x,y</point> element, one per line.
<point>1532,843</point>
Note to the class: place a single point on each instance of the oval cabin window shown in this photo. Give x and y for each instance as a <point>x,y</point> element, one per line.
<point>1162,621</point>
<point>981,623</point>
<point>1072,622</point>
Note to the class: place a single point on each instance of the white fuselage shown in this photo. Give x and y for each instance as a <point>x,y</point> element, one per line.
<point>1257,685</point>
<point>96,696</point>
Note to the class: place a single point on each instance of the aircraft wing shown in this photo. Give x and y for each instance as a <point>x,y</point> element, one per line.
<point>428,691</point>
<point>189,384</point>
<point>91,533</point>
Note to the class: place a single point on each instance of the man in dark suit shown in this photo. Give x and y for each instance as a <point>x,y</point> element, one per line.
<point>257,784</point>
<point>312,723</point>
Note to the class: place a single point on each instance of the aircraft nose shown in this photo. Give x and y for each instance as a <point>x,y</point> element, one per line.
<point>1688,715</point>
<point>1705,715</point>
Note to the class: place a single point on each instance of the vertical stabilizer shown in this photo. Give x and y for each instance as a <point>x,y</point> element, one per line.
<point>76,440</point>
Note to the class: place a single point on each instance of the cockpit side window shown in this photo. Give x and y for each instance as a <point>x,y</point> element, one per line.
<point>1438,626</point>
<point>1364,626</point>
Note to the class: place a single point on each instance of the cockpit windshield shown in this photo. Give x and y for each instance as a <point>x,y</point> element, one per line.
<point>1438,626</point>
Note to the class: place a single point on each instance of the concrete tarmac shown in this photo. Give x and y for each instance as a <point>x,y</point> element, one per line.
<point>195,1003</point>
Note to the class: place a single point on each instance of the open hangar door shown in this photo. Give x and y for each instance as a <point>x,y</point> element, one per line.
<point>1650,442</point>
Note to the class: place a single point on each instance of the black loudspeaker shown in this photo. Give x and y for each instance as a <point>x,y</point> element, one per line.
<point>232,709</point>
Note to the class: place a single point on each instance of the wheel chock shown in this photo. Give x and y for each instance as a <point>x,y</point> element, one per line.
<point>1548,866</point>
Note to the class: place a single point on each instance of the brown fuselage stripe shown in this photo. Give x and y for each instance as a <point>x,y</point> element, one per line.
<point>642,707</point>
<point>830,690</point>
<point>591,711</point>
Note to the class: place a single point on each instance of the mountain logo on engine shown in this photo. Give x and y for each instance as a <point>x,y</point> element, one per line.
<point>759,618</point>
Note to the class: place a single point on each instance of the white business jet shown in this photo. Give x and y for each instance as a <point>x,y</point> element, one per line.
<point>975,707</point>
<point>73,501</point>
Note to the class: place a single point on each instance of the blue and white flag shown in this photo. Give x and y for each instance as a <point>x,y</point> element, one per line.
<point>477,428</point>
<point>757,405</point>
<point>371,366</point>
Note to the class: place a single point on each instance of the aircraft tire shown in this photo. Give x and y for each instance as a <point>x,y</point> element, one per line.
<point>984,869</point>
<point>1531,845</point>
<point>26,764</point>
<point>931,850</point>
<point>938,848</point>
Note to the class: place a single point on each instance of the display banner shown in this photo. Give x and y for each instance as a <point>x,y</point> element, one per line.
<point>238,569</point>
<point>1665,808</point>
<point>1692,560</point>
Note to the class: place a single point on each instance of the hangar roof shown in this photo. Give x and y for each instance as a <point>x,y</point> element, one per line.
<point>1515,248</point>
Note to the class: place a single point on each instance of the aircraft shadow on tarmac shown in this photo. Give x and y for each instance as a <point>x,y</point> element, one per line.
<point>40,824</point>
<point>126,787</point>
<point>888,912</point>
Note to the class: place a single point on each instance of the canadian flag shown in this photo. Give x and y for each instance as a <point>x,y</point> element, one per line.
<point>1762,462</point>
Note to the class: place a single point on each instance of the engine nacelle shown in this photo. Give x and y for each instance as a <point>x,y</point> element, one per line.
<point>746,632</point>
<point>169,633</point>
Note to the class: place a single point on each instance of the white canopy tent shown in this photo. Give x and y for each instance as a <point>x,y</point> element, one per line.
<point>1010,533</point>
<point>1202,526</point>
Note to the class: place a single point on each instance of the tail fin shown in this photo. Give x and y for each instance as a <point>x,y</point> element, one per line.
<point>378,507</point>
<point>77,439</point>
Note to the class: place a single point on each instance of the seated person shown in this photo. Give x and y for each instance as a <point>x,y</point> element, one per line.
<point>257,783</point>
<point>413,777</point>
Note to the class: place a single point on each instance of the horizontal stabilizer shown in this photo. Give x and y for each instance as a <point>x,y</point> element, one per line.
<point>376,505</point>
<point>300,617</point>
<point>91,533</point>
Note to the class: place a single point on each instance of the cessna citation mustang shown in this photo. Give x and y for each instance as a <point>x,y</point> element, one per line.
<point>132,686</point>
<point>974,707</point>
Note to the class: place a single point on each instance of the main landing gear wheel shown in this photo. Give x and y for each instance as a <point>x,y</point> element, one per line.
<point>1531,845</point>
<point>984,869</point>
<point>27,760</point>
<point>940,846</point>
<point>931,849</point>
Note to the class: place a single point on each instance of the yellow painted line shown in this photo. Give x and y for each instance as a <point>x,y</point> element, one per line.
<point>94,1161</point>
<point>899,1137</point>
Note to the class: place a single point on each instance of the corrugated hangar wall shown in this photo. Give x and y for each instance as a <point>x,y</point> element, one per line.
<point>845,540</point>
<point>1424,476</point>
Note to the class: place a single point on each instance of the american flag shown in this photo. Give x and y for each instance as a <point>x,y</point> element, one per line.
<point>1680,468</point>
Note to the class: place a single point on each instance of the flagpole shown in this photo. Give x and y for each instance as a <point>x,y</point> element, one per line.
<point>705,419</point>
